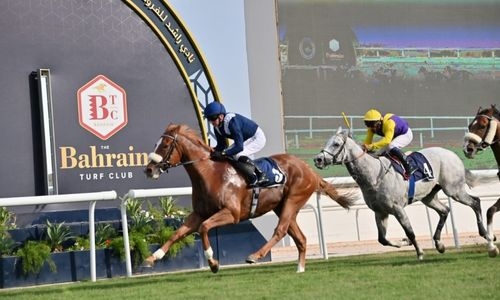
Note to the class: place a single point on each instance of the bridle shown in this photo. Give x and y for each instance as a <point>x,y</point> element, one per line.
<point>163,163</point>
<point>488,137</point>
<point>335,160</point>
<point>384,169</point>
<point>334,156</point>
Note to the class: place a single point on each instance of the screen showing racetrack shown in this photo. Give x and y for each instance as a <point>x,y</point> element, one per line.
<point>411,58</point>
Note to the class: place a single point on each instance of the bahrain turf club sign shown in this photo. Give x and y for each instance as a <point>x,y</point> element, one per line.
<point>102,107</point>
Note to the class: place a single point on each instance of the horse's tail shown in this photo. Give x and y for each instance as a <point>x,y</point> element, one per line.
<point>473,180</point>
<point>345,199</point>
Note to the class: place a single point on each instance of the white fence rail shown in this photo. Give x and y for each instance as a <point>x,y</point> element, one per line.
<point>92,198</point>
<point>310,125</point>
<point>315,206</point>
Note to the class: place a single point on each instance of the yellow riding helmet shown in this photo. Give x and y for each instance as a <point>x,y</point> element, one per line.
<point>373,115</point>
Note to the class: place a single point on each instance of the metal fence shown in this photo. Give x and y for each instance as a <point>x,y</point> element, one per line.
<point>422,126</point>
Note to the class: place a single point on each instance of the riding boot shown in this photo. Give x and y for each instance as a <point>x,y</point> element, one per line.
<point>258,177</point>
<point>261,176</point>
<point>397,153</point>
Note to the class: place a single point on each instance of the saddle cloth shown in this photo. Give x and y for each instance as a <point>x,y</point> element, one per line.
<point>419,162</point>
<point>273,172</point>
<point>274,175</point>
<point>423,171</point>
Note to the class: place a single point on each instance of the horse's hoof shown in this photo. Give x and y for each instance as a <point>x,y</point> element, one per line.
<point>148,263</point>
<point>406,242</point>
<point>439,246</point>
<point>493,252</point>
<point>251,259</point>
<point>214,266</point>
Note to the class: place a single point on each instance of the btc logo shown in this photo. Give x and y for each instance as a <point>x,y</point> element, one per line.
<point>102,107</point>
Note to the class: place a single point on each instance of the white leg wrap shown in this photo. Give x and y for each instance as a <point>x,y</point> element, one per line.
<point>209,253</point>
<point>159,254</point>
<point>300,269</point>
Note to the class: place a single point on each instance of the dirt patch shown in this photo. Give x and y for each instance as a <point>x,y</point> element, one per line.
<point>289,253</point>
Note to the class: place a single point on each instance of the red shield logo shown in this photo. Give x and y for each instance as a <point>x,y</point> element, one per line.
<point>102,107</point>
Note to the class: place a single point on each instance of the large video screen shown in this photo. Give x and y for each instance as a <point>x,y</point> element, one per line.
<point>412,58</point>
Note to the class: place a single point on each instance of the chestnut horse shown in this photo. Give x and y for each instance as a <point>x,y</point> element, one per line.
<point>221,196</point>
<point>484,132</point>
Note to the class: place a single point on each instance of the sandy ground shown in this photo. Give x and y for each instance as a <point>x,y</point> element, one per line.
<point>282,254</point>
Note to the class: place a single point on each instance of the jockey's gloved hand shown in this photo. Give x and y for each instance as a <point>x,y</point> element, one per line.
<point>217,155</point>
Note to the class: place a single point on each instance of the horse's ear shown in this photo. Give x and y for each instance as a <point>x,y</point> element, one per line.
<point>479,110</point>
<point>339,130</point>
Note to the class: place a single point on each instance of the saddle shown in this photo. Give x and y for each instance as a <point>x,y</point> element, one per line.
<point>267,165</point>
<point>423,169</point>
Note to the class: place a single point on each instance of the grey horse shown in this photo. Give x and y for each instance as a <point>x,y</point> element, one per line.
<point>386,192</point>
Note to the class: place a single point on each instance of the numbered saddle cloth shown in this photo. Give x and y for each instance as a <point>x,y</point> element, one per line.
<point>420,163</point>
<point>273,172</point>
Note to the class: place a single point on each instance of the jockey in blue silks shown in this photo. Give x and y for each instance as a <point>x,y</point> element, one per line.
<point>395,133</point>
<point>248,138</point>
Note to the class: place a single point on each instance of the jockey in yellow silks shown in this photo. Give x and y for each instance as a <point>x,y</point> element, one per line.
<point>395,133</point>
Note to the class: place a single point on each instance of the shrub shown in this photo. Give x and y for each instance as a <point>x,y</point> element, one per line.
<point>34,255</point>
<point>7,219</point>
<point>163,234</point>
<point>104,232</point>
<point>81,243</point>
<point>139,248</point>
<point>56,235</point>
<point>170,209</point>
<point>149,227</point>
<point>7,244</point>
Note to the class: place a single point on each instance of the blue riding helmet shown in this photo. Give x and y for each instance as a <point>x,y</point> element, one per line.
<point>214,109</point>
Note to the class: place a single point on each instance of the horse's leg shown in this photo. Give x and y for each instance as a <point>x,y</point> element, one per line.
<point>381,221</point>
<point>474,203</point>
<point>222,217</point>
<point>432,202</point>
<point>301,242</point>
<point>492,248</point>
<point>286,217</point>
<point>402,218</point>
<point>190,225</point>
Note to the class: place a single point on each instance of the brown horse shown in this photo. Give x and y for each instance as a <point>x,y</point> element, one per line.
<point>221,196</point>
<point>484,132</point>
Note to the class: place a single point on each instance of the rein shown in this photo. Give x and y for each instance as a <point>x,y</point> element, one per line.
<point>164,164</point>
<point>357,157</point>
<point>383,170</point>
<point>335,156</point>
